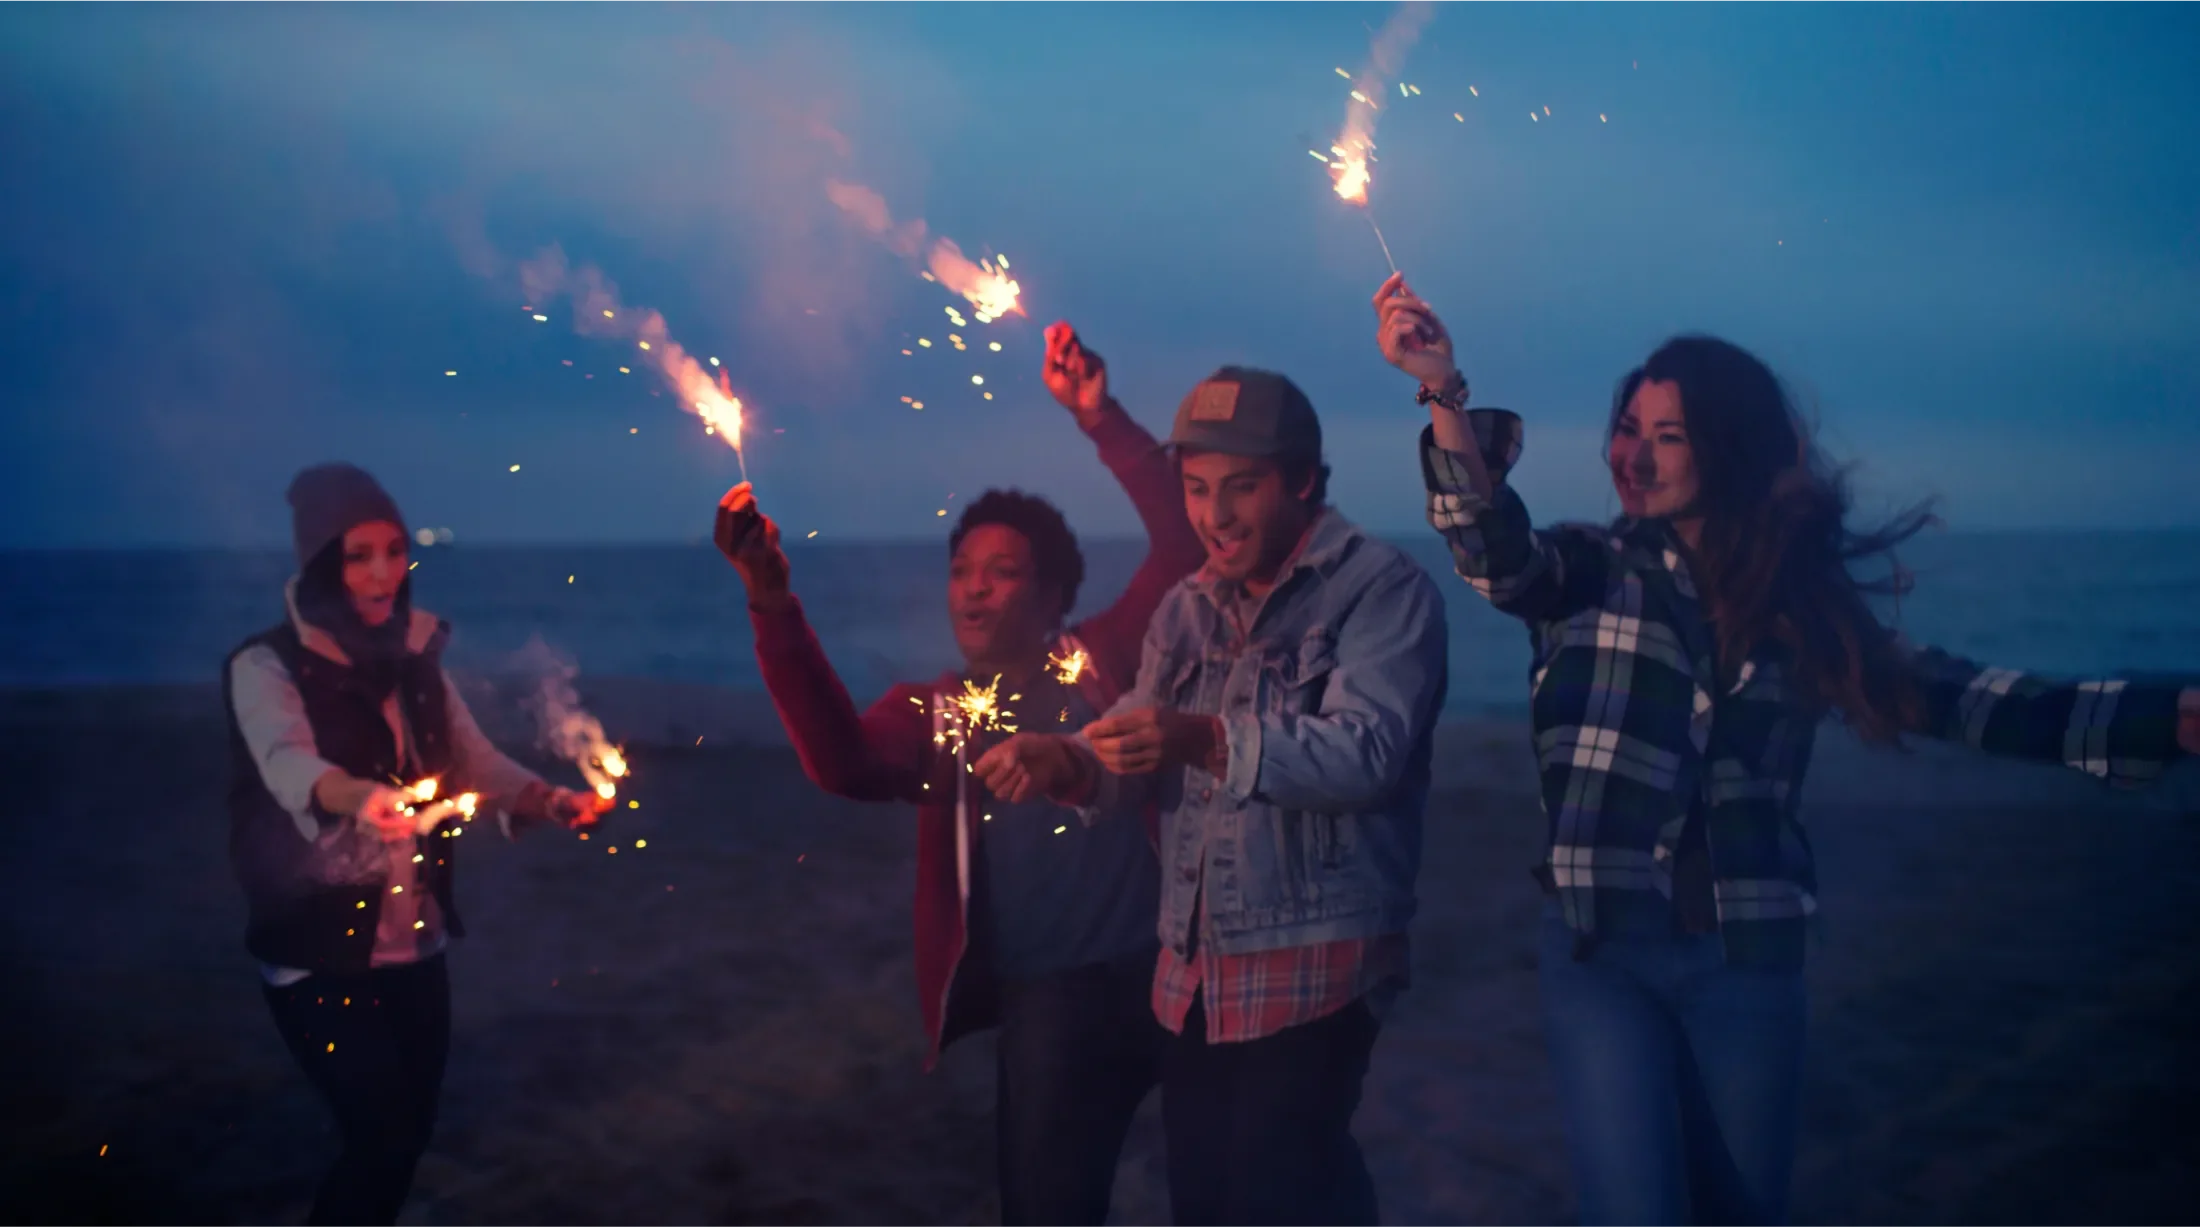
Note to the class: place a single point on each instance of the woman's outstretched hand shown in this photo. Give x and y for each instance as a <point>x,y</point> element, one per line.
<point>1411,337</point>
<point>572,809</point>
<point>383,811</point>
<point>568,808</point>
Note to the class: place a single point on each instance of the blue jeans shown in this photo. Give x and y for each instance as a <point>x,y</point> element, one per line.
<point>1678,1076</point>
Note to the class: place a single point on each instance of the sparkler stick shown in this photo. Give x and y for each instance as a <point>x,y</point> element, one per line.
<point>1369,214</point>
<point>956,718</point>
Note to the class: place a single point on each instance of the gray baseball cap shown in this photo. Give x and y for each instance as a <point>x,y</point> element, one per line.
<point>1239,411</point>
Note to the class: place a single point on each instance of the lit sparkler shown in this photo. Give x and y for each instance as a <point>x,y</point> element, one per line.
<point>984,283</point>
<point>1068,666</point>
<point>568,730</point>
<point>956,719</point>
<point>1355,146</point>
<point>597,312</point>
<point>428,813</point>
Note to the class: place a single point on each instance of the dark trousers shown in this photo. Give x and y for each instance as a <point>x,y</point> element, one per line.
<point>1078,1051</point>
<point>1260,1132</point>
<point>374,1046</point>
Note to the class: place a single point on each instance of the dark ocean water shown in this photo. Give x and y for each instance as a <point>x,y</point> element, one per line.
<point>2065,603</point>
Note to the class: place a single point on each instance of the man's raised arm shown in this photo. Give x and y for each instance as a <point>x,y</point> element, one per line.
<point>877,755</point>
<point>1078,378</point>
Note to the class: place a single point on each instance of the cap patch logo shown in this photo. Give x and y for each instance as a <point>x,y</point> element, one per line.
<point>1215,402</point>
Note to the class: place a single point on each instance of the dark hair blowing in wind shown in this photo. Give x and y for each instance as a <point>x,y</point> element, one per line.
<point>1776,549</point>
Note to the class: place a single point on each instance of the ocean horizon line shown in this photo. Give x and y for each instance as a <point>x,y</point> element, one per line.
<point>826,541</point>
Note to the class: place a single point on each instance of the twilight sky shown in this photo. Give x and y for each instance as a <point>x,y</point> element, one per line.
<point>234,241</point>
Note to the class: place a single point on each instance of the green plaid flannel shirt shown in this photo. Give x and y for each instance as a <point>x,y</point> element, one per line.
<point>1632,721</point>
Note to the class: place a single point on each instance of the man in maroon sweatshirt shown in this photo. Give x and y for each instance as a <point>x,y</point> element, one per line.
<point>1045,928</point>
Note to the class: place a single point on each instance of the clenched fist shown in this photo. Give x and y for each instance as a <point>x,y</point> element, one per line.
<point>1031,765</point>
<point>1150,738</point>
<point>750,541</point>
<point>1075,375</point>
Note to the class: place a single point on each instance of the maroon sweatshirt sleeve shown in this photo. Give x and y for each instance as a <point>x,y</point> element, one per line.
<point>877,755</point>
<point>1173,551</point>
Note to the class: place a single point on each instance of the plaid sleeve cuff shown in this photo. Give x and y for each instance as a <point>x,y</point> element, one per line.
<point>2121,732</point>
<point>1497,435</point>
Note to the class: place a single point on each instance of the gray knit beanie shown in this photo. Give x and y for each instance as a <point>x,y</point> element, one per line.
<point>329,500</point>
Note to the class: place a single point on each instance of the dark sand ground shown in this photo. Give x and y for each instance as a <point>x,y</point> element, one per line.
<point>721,1027</point>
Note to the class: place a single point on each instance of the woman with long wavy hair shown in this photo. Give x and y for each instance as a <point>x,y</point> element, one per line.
<point>1684,656</point>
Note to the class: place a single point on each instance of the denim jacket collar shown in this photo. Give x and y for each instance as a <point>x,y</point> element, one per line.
<point>1323,546</point>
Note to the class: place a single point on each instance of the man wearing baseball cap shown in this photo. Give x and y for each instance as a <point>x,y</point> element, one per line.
<point>1281,716</point>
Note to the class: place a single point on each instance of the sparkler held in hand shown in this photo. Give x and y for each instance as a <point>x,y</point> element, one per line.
<point>569,731</point>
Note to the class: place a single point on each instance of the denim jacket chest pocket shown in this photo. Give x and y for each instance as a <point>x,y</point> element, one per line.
<point>1295,672</point>
<point>1295,675</point>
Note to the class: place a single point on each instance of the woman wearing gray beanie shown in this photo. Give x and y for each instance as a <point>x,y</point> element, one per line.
<point>335,713</point>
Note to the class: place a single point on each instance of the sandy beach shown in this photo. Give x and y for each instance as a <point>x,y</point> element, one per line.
<point>720,1026</point>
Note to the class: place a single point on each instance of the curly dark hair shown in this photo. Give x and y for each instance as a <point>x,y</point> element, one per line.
<point>1059,563</point>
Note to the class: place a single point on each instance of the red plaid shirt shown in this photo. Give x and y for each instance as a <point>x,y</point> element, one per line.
<point>1250,996</point>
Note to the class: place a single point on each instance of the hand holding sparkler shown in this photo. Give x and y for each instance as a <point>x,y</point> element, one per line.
<point>750,541</point>
<point>1031,765</point>
<point>1150,738</point>
<point>1411,337</point>
<point>387,812</point>
<point>565,806</point>
<point>1076,376</point>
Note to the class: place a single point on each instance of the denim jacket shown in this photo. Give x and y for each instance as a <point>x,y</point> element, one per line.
<point>1313,832</point>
